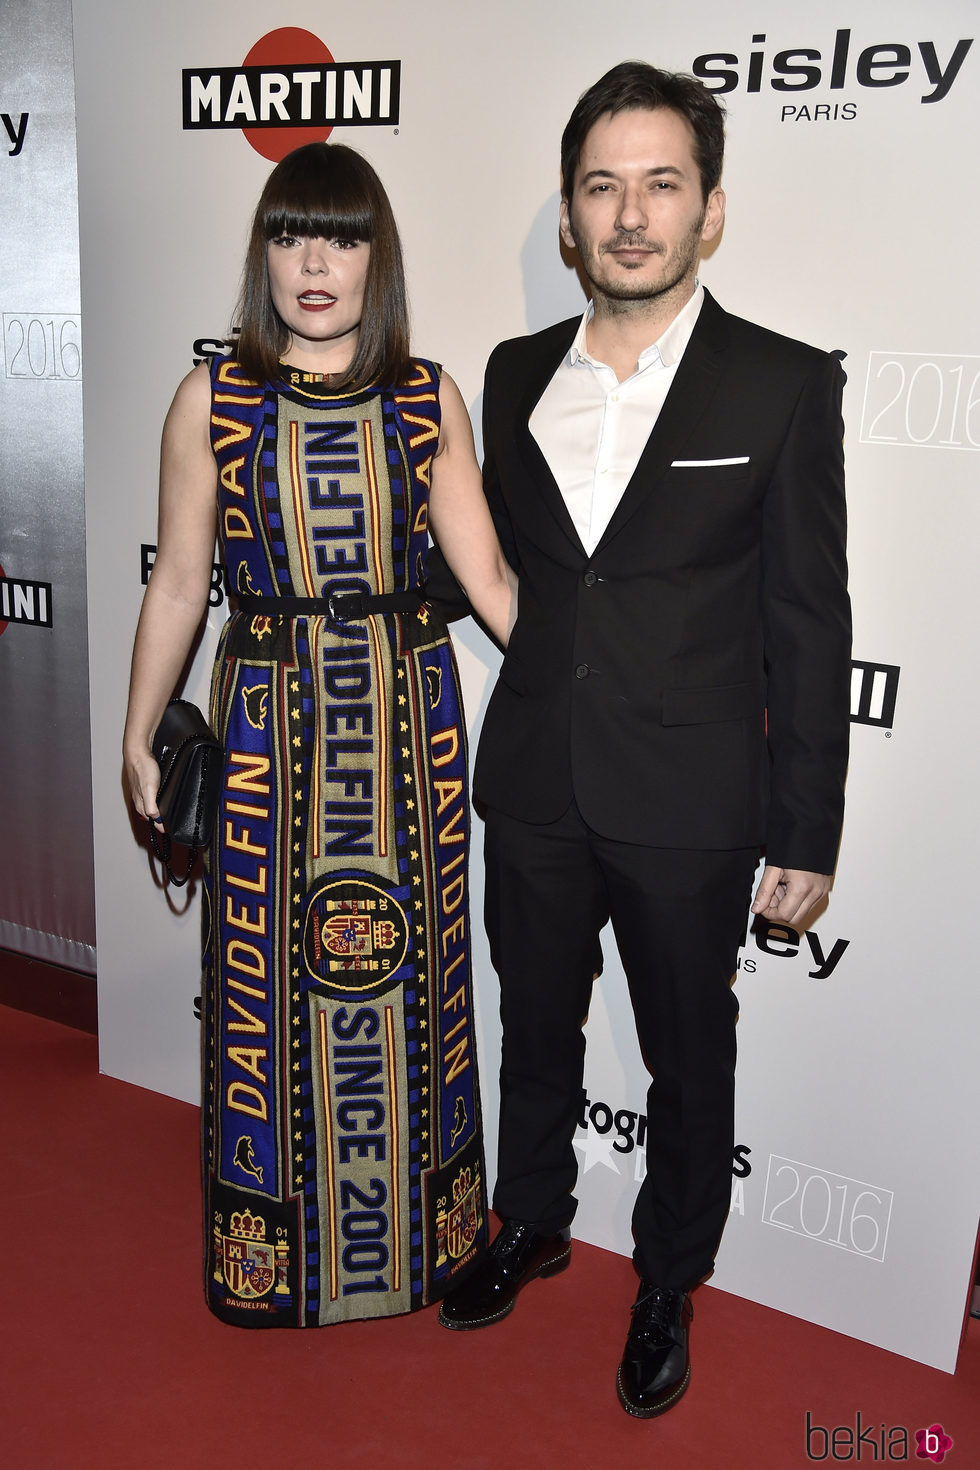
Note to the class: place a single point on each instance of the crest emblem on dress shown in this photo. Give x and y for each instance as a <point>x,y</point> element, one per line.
<point>348,933</point>
<point>247,1263</point>
<point>458,1226</point>
<point>356,936</point>
<point>249,1260</point>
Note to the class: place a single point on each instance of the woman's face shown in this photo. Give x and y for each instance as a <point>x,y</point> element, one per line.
<point>318,290</point>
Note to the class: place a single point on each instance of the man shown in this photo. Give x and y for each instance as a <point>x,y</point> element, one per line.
<point>667,481</point>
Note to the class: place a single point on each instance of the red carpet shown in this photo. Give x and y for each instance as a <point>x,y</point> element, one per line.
<point>110,1359</point>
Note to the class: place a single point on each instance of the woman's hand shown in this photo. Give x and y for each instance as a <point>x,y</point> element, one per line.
<point>143,775</point>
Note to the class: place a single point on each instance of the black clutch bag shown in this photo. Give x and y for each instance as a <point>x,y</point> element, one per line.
<point>190,757</point>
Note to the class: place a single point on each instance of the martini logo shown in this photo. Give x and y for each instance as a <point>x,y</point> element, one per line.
<point>874,693</point>
<point>24,602</point>
<point>289,91</point>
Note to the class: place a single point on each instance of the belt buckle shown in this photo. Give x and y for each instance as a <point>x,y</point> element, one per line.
<point>335,601</point>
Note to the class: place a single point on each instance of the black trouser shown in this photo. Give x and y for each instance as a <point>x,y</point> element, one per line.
<point>678,916</point>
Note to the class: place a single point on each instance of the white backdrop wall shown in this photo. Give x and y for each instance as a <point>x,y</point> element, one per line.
<point>851,224</point>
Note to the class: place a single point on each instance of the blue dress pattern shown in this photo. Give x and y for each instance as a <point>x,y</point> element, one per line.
<point>342,1145</point>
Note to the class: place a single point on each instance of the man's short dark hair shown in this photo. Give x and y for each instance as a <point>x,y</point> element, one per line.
<point>633,85</point>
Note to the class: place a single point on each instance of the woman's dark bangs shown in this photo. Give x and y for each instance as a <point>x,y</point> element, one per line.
<point>320,222</point>
<point>320,190</point>
<point>309,206</point>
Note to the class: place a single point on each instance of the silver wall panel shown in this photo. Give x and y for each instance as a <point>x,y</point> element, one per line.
<point>47,906</point>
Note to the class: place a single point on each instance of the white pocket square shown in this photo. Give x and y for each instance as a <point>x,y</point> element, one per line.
<point>701,464</point>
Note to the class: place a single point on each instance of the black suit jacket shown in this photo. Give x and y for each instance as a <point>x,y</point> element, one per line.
<point>687,682</point>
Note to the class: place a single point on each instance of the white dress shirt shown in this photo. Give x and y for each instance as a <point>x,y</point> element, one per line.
<point>592,429</point>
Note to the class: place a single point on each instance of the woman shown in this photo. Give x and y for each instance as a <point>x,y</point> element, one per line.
<point>343,1172</point>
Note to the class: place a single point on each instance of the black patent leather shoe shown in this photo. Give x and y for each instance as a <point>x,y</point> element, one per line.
<point>656,1366</point>
<point>517,1254</point>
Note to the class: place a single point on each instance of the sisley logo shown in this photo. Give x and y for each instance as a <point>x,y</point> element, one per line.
<point>930,66</point>
<point>205,347</point>
<point>782,942</point>
<point>16,131</point>
<point>290,91</point>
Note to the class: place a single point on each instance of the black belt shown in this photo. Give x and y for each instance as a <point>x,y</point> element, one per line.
<point>341,607</point>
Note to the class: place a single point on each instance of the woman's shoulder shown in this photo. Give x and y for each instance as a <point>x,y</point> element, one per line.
<point>216,386</point>
<point>194,391</point>
<point>209,378</point>
<point>224,370</point>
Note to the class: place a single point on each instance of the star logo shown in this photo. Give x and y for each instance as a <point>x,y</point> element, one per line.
<point>596,1149</point>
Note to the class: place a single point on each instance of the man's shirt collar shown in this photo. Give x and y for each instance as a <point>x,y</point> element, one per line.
<point>668,348</point>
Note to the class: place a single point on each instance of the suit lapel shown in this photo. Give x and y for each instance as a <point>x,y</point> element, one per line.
<point>690,393</point>
<point>540,373</point>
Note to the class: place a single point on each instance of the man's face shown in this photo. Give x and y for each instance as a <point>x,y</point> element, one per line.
<point>636,214</point>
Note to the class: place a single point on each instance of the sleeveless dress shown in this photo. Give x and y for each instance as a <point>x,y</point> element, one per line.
<point>342,1145</point>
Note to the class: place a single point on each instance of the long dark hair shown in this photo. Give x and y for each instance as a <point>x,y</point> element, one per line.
<point>636,84</point>
<point>328,191</point>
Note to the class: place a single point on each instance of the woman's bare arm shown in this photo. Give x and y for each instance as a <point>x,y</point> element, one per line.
<point>460,520</point>
<point>176,596</point>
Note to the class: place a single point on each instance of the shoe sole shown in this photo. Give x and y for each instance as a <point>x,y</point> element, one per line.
<point>548,1268</point>
<point>639,1411</point>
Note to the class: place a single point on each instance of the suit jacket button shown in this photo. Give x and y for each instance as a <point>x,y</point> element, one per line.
<point>590,578</point>
<point>582,671</point>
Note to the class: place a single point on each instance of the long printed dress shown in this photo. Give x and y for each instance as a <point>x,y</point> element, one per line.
<point>342,1145</point>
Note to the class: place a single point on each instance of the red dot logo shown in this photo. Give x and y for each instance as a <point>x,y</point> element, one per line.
<point>289,46</point>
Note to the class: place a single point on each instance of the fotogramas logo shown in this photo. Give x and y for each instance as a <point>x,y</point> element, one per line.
<point>835,63</point>
<point>612,1134</point>
<point>288,91</point>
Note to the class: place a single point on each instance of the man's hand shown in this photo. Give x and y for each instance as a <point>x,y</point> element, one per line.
<point>786,895</point>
